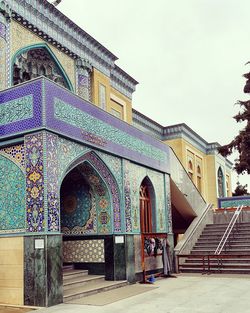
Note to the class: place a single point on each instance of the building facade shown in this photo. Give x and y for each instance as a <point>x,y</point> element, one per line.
<point>79,183</point>
<point>209,171</point>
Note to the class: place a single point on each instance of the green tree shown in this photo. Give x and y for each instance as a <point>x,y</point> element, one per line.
<point>240,190</point>
<point>241,142</point>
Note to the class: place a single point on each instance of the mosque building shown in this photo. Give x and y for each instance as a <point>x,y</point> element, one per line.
<point>85,178</point>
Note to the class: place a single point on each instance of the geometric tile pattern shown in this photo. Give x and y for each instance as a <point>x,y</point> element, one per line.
<point>89,251</point>
<point>35,210</point>
<point>12,196</point>
<point>16,154</point>
<point>78,205</point>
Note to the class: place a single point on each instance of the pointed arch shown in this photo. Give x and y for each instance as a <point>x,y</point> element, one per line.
<point>21,57</point>
<point>147,206</point>
<point>105,174</point>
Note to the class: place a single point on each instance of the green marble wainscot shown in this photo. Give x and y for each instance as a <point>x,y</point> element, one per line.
<point>130,258</point>
<point>43,270</point>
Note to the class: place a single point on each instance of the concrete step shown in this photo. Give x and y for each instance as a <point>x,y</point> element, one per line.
<point>86,290</point>
<point>216,270</point>
<point>215,265</point>
<point>211,251</point>
<point>236,260</point>
<point>232,245</point>
<point>72,273</point>
<point>82,280</point>
<point>215,240</point>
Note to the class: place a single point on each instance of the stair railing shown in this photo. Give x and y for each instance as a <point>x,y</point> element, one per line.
<point>228,230</point>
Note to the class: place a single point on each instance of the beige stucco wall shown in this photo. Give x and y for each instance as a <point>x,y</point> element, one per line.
<point>11,270</point>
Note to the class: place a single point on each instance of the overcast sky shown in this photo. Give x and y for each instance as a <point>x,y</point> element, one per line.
<point>188,57</point>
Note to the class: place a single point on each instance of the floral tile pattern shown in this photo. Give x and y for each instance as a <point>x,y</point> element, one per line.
<point>12,196</point>
<point>35,214</point>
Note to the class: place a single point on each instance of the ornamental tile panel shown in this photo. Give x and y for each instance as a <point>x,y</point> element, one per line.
<point>83,251</point>
<point>68,151</point>
<point>53,193</point>
<point>12,197</point>
<point>16,154</point>
<point>136,175</point>
<point>76,117</point>
<point>21,108</point>
<point>79,207</point>
<point>109,180</point>
<point>16,110</point>
<point>229,203</point>
<point>35,204</point>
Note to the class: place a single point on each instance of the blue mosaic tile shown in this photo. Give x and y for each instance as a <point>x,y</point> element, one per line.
<point>27,97</point>
<point>35,203</point>
<point>12,196</point>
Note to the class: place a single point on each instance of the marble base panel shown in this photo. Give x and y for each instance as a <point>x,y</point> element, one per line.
<point>43,270</point>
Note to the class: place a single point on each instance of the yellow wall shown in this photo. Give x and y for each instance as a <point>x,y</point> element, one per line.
<point>185,151</point>
<point>178,146</point>
<point>117,100</point>
<point>22,37</point>
<point>211,180</point>
<point>11,270</point>
<point>114,99</point>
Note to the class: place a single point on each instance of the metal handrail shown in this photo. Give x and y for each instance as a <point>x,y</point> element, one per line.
<point>228,230</point>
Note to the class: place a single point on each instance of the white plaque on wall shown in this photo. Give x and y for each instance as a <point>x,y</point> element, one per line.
<point>119,239</point>
<point>39,243</point>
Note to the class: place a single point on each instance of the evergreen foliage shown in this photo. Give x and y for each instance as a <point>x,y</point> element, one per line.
<point>241,142</point>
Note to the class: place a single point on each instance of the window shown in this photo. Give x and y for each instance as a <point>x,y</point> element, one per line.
<point>102,97</point>
<point>147,205</point>
<point>116,113</point>
<point>220,178</point>
<point>190,169</point>
<point>227,186</point>
<point>37,62</point>
<point>199,178</point>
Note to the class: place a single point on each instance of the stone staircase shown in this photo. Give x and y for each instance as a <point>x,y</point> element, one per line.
<point>78,284</point>
<point>235,258</point>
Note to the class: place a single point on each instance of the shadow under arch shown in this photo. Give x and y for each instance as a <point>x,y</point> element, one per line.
<point>147,206</point>
<point>67,83</point>
<point>93,160</point>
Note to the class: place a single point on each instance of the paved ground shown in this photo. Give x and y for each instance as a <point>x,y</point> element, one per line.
<point>4,309</point>
<point>185,294</point>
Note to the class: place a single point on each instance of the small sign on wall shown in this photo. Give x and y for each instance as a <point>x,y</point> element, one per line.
<point>39,243</point>
<point>119,239</point>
